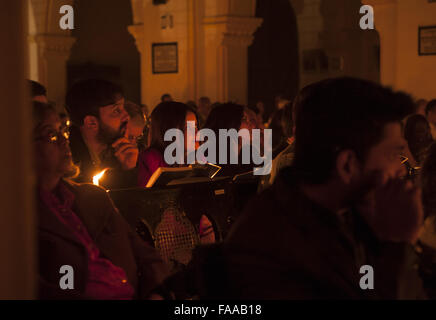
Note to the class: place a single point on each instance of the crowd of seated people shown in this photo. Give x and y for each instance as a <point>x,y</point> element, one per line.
<point>79,226</point>
<point>340,194</point>
<point>343,204</point>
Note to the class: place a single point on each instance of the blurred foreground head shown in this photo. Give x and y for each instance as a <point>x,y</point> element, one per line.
<point>346,128</point>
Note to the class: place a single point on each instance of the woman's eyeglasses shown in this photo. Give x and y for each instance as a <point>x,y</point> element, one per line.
<point>403,159</point>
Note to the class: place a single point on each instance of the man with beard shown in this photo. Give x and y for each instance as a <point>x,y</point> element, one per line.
<point>98,135</point>
<point>341,222</point>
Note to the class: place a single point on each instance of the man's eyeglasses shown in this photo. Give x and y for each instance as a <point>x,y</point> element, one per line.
<point>137,139</point>
<point>412,172</point>
<point>55,137</point>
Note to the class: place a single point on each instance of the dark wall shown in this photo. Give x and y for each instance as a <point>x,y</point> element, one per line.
<point>273,56</point>
<point>104,47</point>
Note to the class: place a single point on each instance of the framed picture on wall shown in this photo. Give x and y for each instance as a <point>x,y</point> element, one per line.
<point>427,40</point>
<point>165,57</point>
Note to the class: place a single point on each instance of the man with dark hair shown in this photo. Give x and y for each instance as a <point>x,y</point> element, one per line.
<point>166,97</point>
<point>430,113</point>
<point>341,215</point>
<point>37,91</point>
<point>98,135</point>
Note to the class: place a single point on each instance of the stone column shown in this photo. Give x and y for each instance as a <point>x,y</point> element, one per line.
<point>385,19</point>
<point>53,53</point>
<point>213,38</point>
<point>310,27</point>
<point>226,42</point>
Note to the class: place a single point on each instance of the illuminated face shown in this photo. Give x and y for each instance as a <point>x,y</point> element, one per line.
<point>190,116</point>
<point>113,122</point>
<point>51,148</point>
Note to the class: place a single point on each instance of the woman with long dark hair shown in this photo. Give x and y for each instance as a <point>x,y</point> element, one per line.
<point>231,116</point>
<point>166,116</point>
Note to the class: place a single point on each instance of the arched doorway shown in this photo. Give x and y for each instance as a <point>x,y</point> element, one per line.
<point>104,48</point>
<point>273,57</point>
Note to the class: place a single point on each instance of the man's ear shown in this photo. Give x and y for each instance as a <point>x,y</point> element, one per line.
<point>90,123</point>
<point>347,166</point>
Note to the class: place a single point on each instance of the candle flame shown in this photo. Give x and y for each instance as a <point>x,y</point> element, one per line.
<point>98,176</point>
